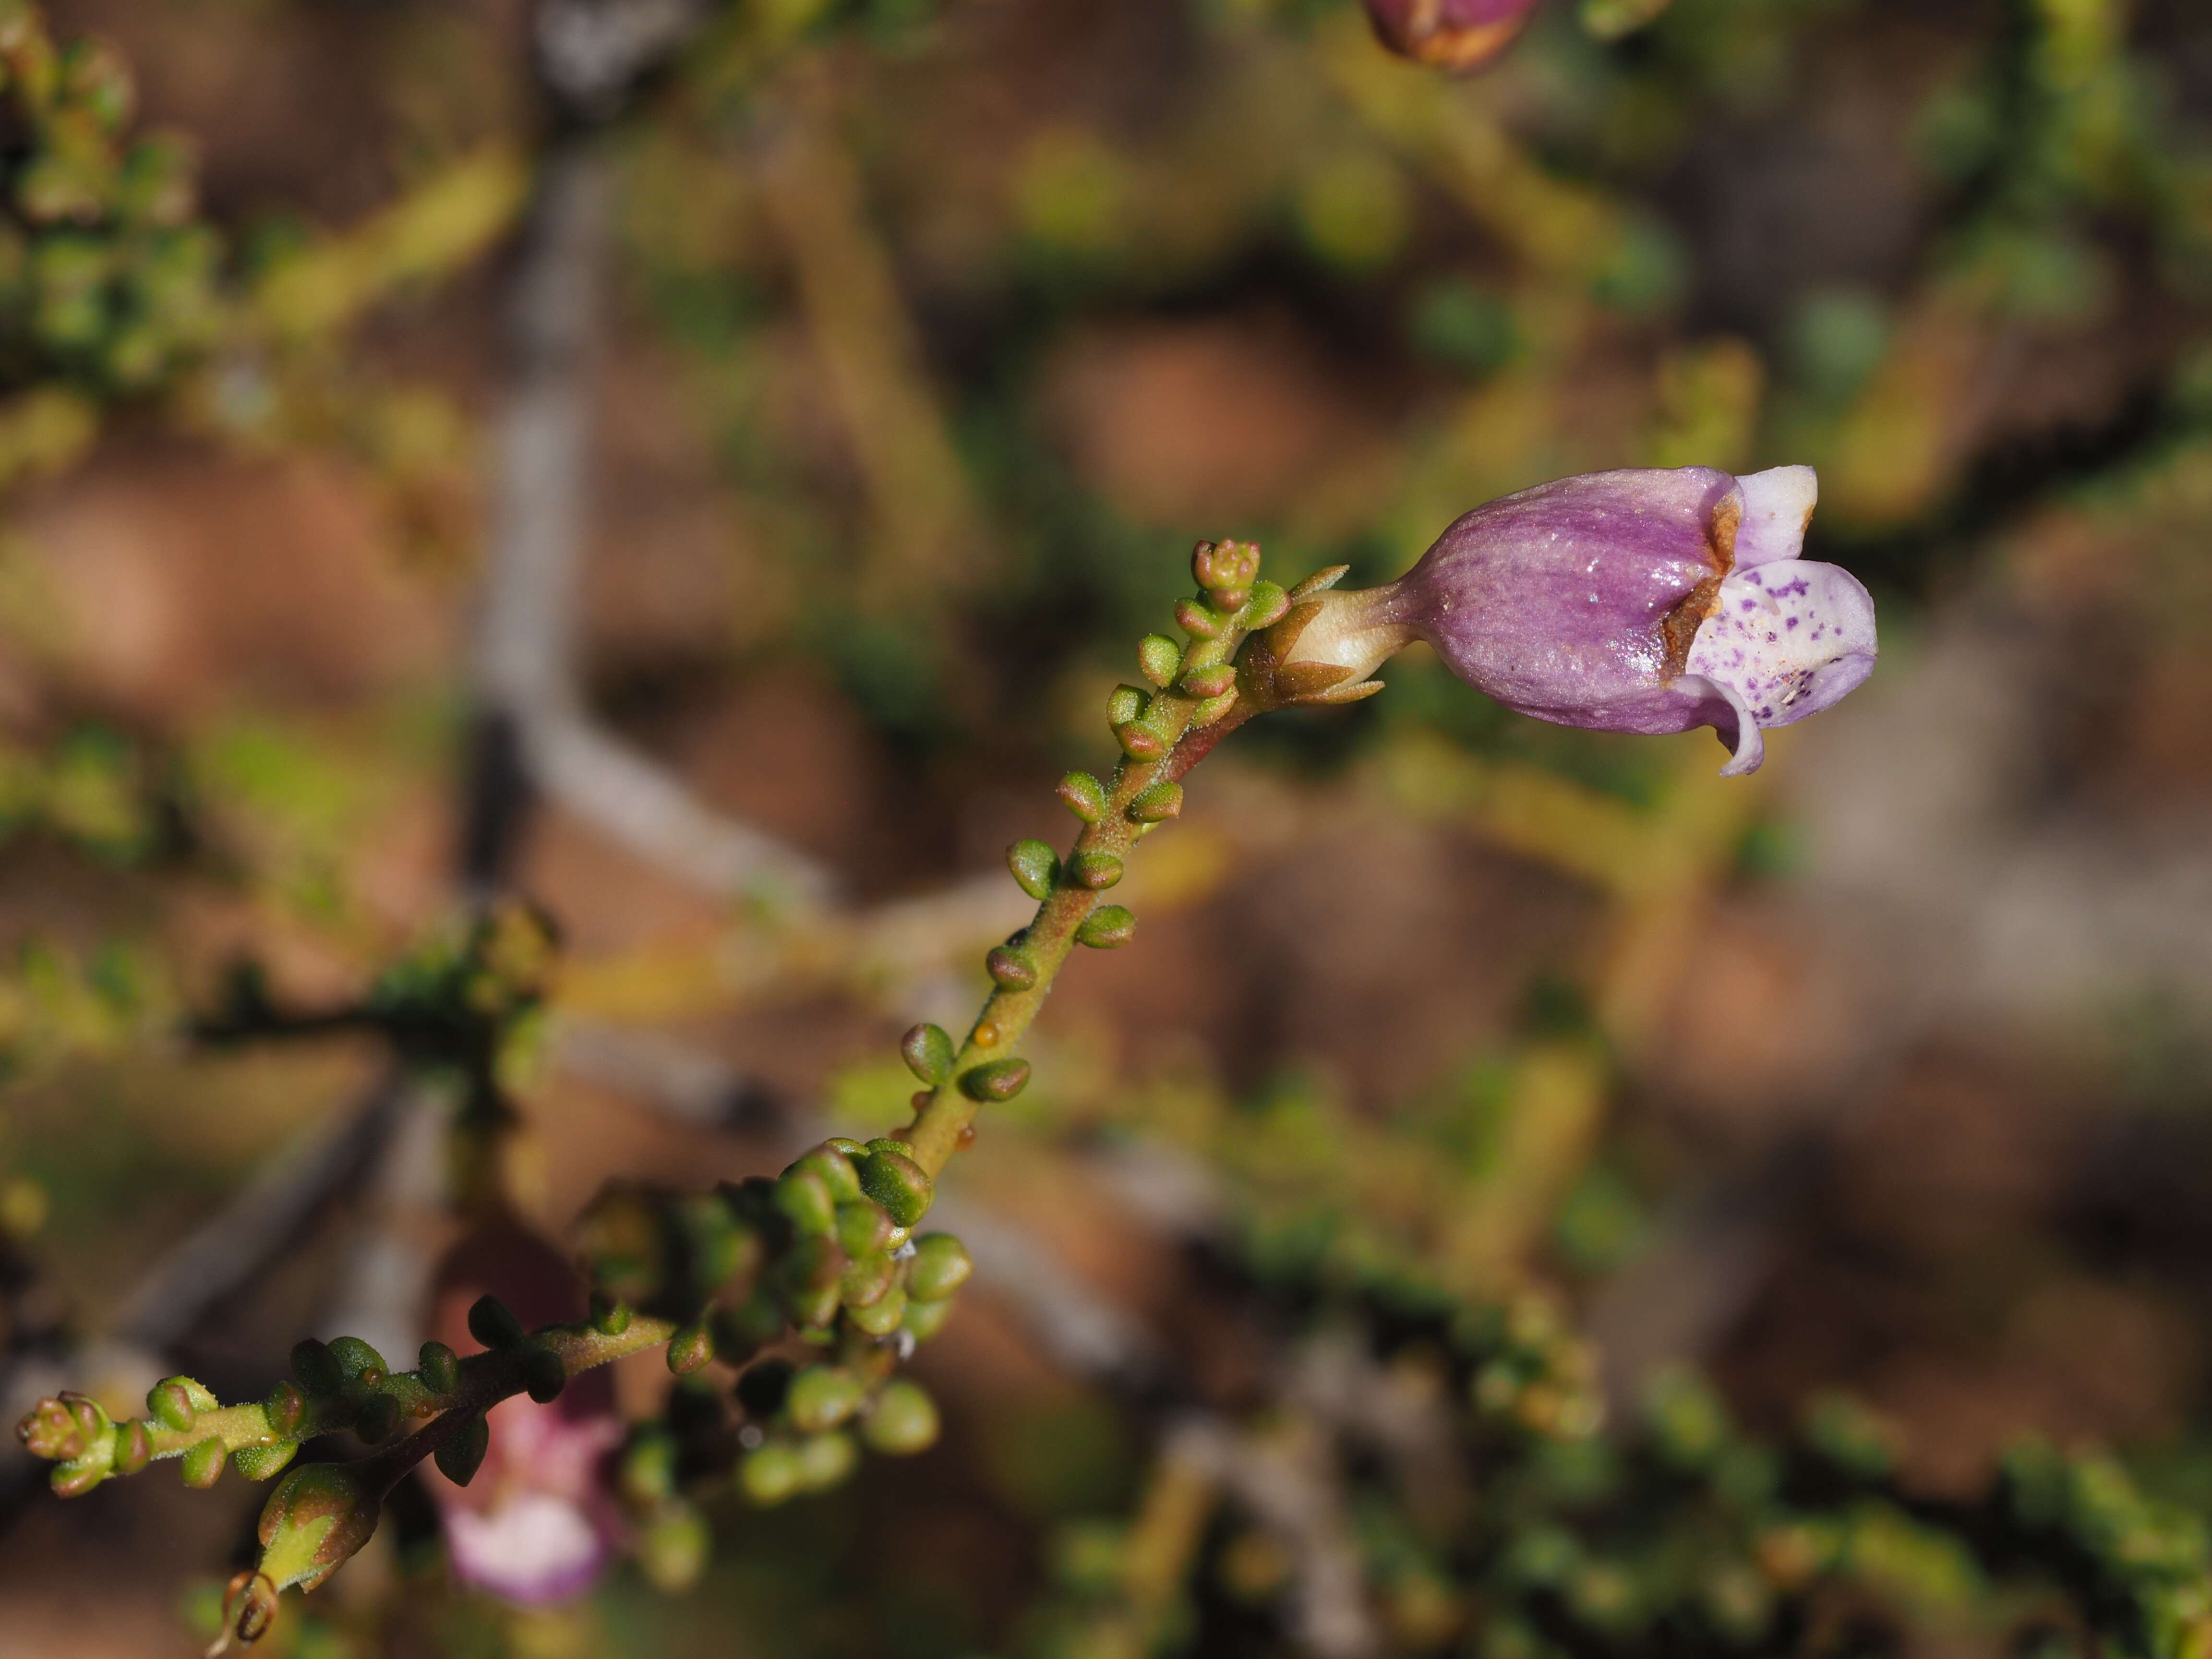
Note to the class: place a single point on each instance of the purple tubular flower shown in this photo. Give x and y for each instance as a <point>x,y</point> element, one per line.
<point>1648,601</point>
<point>1450,35</point>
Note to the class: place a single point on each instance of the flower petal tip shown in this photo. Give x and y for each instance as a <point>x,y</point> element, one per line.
<point>1778,505</point>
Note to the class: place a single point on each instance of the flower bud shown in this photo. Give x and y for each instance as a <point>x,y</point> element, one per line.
<point>314,1521</point>
<point>249,1607</point>
<point>1646,601</point>
<point>58,1429</point>
<point>1449,34</point>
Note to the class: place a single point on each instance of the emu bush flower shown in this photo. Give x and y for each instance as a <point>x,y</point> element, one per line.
<point>1451,34</point>
<point>1650,601</point>
<point>539,1521</point>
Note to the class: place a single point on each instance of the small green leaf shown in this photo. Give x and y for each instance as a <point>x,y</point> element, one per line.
<point>821,1397</point>
<point>1106,927</point>
<point>898,1183</point>
<point>1083,795</point>
<point>264,1462</point>
<point>202,1466</point>
<point>440,1368</point>
<point>926,1049</point>
<point>1158,658</point>
<point>1011,970</point>
<point>1034,867</point>
<point>492,1324</point>
<point>1160,802</point>
<point>461,1455</point>
<point>940,1266</point>
<point>904,1421</point>
<point>690,1348</point>
<point>994,1079</point>
<point>1095,870</point>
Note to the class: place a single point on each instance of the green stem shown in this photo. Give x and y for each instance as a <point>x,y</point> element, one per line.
<point>487,1379</point>
<point>946,1116</point>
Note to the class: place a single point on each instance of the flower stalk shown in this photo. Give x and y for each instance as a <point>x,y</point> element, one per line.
<point>1195,700</point>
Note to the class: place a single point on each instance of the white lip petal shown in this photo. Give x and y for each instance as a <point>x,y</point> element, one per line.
<point>1787,638</point>
<point>1777,505</point>
<point>1750,744</point>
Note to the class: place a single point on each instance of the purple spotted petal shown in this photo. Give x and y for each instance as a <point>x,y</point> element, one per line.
<point>1777,505</point>
<point>1788,638</point>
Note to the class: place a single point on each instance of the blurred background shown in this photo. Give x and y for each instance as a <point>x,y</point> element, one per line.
<point>700,468</point>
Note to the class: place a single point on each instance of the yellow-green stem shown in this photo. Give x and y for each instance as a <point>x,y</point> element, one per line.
<point>949,1111</point>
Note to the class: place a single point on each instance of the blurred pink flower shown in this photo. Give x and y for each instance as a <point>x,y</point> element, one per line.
<point>539,1524</point>
<point>540,1520</point>
<point>1451,34</point>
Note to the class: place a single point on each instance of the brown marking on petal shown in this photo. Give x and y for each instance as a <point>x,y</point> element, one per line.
<point>1721,532</point>
<point>1678,627</point>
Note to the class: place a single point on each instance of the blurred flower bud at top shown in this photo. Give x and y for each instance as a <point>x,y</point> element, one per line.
<point>539,1521</point>
<point>1646,601</point>
<point>1451,34</point>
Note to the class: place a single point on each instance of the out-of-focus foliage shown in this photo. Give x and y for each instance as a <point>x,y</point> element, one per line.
<point>1457,1054</point>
